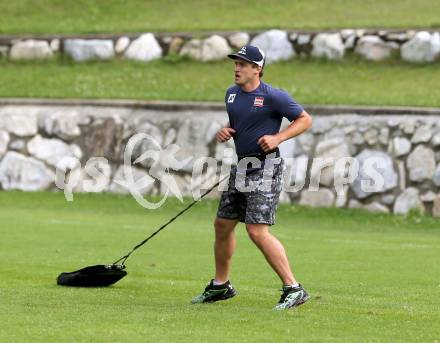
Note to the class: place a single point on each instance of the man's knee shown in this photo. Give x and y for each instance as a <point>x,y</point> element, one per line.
<point>224,227</point>
<point>257,232</point>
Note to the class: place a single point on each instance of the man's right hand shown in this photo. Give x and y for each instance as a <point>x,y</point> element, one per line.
<point>224,134</point>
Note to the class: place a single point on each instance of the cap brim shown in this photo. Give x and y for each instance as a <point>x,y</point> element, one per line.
<point>240,57</point>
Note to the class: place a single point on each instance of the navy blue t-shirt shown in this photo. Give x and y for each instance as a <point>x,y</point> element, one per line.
<point>257,113</point>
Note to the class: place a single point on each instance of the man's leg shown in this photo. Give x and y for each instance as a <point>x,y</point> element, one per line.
<point>224,247</point>
<point>272,250</point>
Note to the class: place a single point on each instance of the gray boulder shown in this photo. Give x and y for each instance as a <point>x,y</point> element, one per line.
<point>239,39</point>
<point>19,122</point>
<point>192,49</point>
<point>117,184</point>
<point>423,134</point>
<point>421,164</point>
<point>122,44</point>
<point>30,50</point>
<point>214,48</point>
<point>328,45</point>
<point>52,151</point>
<point>376,207</point>
<point>400,146</point>
<point>4,140</point>
<point>373,48</point>
<point>436,177</point>
<point>89,49</point>
<point>436,140</point>
<point>275,44</point>
<point>423,47</point>
<point>408,200</point>
<point>376,174</point>
<point>24,173</point>
<point>61,124</point>
<point>145,48</point>
<point>320,198</point>
<point>331,149</point>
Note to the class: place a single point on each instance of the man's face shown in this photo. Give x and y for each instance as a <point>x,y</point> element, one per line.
<point>245,72</point>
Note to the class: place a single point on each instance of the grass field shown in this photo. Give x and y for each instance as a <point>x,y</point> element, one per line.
<point>373,278</point>
<point>89,16</point>
<point>352,81</point>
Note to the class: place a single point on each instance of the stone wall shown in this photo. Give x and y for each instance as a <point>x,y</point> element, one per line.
<point>410,45</point>
<point>34,139</point>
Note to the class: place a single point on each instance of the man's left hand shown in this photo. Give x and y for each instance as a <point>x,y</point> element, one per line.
<point>269,142</point>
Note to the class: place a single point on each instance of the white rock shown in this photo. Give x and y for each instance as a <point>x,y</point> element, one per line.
<point>24,173</point>
<point>192,49</point>
<point>330,149</point>
<point>30,50</point>
<point>121,44</point>
<point>145,48</point>
<point>88,49</point>
<point>328,45</point>
<point>295,173</point>
<point>376,207</point>
<point>428,196</point>
<point>214,48</point>
<point>61,124</point>
<point>321,198</point>
<point>18,122</point>
<point>388,199</point>
<point>52,150</point>
<point>436,140</point>
<point>346,33</point>
<point>436,177</point>
<point>239,39</point>
<point>137,175</point>
<point>423,47</point>
<point>374,48</point>
<point>400,146</point>
<point>170,137</point>
<point>303,39</point>
<point>4,140</point>
<point>211,131</point>
<point>408,200</point>
<point>55,44</point>
<point>423,134</point>
<point>353,203</point>
<point>421,164</point>
<point>379,177</point>
<point>275,45</point>
<point>95,176</point>
<point>350,42</point>
<point>288,148</point>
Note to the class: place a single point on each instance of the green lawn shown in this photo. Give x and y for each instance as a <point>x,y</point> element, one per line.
<point>90,16</point>
<point>351,81</point>
<point>373,278</point>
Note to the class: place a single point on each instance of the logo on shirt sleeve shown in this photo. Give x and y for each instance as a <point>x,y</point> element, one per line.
<point>258,102</point>
<point>231,98</point>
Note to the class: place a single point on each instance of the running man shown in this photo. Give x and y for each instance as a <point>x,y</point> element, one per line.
<point>255,111</point>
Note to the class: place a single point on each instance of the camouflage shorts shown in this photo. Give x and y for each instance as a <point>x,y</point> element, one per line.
<point>252,198</point>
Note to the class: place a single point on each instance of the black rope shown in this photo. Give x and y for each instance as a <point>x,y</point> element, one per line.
<point>125,257</point>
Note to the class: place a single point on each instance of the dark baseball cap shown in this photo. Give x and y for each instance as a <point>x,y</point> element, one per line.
<point>251,54</point>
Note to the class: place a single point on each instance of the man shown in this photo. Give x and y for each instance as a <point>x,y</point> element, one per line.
<point>255,111</point>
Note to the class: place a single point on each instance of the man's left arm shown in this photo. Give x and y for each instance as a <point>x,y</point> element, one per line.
<point>301,124</point>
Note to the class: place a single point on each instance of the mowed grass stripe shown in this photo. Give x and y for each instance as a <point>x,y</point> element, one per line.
<point>94,16</point>
<point>352,81</point>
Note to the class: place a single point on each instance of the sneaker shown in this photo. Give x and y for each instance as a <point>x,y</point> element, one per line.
<point>292,297</point>
<point>214,293</point>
